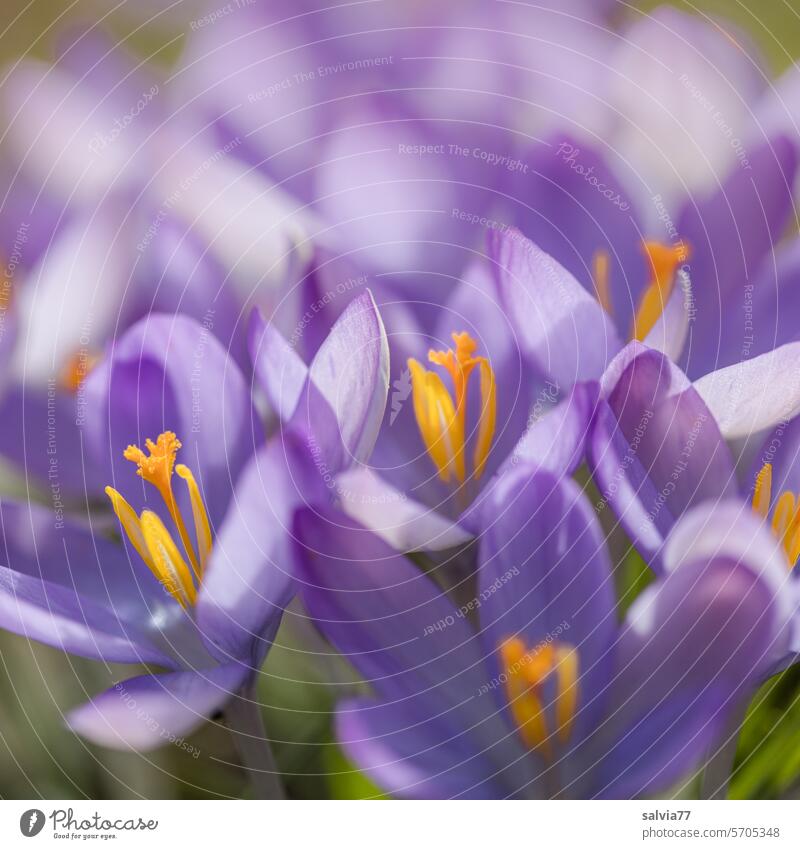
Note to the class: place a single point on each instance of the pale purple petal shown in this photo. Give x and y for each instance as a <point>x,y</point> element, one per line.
<point>573,206</point>
<point>395,516</point>
<point>755,394</point>
<point>351,373</point>
<point>731,235</point>
<point>694,645</point>
<point>279,369</point>
<point>150,711</point>
<point>73,140</point>
<point>556,438</point>
<point>73,299</point>
<point>250,577</point>
<point>669,67</point>
<point>402,634</point>
<point>561,328</point>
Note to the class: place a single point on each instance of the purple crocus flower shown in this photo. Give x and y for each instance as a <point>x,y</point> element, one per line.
<point>516,336</point>
<point>167,596</point>
<point>433,451</point>
<point>531,688</point>
<point>658,444</point>
<point>205,571</point>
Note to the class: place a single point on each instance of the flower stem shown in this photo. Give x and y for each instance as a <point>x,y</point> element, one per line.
<point>246,725</point>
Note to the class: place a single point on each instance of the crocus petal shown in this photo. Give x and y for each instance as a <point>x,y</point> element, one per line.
<point>397,518</point>
<point>545,576</point>
<point>655,449</point>
<point>178,273</point>
<point>52,614</point>
<point>556,438</point>
<point>731,234</point>
<point>45,595</point>
<point>28,413</point>
<point>754,395</point>
<point>775,301</point>
<point>573,206</point>
<point>43,543</point>
<point>393,208</point>
<point>381,612</point>
<point>171,373</point>
<point>8,339</point>
<point>562,329</point>
<point>413,758</point>
<point>150,711</point>
<point>401,633</point>
<point>693,644</point>
<point>350,373</point>
<point>280,371</point>
<point>730,529</point>
<point>250,574</point>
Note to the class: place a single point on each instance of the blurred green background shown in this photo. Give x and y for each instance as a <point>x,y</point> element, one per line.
<point>39,757</point>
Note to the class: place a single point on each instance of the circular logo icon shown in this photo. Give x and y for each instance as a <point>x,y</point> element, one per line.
<point>31,822</point>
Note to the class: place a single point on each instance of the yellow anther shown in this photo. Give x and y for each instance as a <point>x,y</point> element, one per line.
<point>526,672</point>
<point>487,419</point>
<point>438,422</point>
<point>664,261</point>
<point>202,527</point>
<point>601,279</point>
<point>131,525</point>
<point>762,494</point>
<point>148,534</point>
<point>785,515</point>
<point>170,567</point>
<point>441,417</point>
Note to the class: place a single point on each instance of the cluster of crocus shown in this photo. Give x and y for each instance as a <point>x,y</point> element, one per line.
<point>210,464</point>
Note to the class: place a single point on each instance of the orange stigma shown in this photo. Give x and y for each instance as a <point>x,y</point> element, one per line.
<point>664,261</point>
